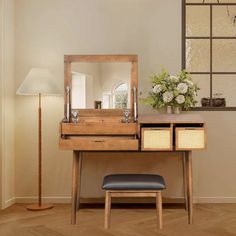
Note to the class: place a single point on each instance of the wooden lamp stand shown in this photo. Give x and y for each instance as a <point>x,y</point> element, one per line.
<point>39,206</point>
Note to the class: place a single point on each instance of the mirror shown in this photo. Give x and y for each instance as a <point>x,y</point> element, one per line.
<point>100,85</point>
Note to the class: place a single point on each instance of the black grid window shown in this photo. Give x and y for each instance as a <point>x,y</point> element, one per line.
<point>209,51</point>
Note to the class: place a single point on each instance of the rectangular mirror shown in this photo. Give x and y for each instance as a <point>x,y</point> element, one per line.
<point>101,85</point>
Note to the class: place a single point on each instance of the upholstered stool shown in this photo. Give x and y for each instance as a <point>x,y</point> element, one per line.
<point>133,185</point>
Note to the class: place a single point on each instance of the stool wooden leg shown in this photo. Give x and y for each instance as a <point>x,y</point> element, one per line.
<point>159,208</point>
<point>107,210</point>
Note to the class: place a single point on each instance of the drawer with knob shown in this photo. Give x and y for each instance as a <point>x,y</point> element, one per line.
<point>99,143</point>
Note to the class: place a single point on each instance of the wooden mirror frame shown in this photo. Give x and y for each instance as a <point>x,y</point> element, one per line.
<point>133,59</point>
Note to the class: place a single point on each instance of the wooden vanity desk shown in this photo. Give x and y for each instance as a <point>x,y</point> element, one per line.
<point>105,130</point>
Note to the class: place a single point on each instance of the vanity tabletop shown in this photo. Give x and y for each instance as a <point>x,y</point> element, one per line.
<point>171,118</point>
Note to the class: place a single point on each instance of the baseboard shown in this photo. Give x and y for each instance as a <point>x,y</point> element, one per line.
<point>214,200</point>
<point>93,200</point>
<point>9,202</point>
<point>122,200</point>
<point>44,199</point>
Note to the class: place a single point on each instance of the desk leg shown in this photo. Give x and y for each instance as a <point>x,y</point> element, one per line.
<point>185,179</point>
<point>76,176</point>
<point>189,186</point>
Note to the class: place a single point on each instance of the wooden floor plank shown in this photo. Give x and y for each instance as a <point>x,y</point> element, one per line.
<point>209,220</point>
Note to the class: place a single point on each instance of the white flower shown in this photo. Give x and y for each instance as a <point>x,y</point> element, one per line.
<point>168,96</point>
<point>188,82</point>
<point>180,99</point>
<point>174,79</point>
<point>157,88</point>
<point>182,88</point>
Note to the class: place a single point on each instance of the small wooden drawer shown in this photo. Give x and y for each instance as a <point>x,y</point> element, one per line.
<point>99,143</point>
<point>190,138</point>
<point>99,128</point>
<point>156,138</point>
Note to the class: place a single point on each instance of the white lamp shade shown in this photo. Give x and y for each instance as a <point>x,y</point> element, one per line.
<point>38,81</point>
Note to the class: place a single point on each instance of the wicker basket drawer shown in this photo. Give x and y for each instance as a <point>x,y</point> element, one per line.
<point>190,138</point>
<point>156,139</point>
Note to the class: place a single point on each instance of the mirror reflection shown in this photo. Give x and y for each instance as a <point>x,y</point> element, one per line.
<point>101,85</point>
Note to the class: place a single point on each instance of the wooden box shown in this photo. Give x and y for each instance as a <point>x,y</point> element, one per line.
<point>99,136</point>
<point>156,138</point>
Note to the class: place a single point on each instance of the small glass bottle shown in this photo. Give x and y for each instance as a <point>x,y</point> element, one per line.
<point>75,116</point>
<point>126,115</point>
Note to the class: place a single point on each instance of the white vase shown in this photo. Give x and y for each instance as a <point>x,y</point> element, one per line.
<point>169,110</point>
<point>176,110</point>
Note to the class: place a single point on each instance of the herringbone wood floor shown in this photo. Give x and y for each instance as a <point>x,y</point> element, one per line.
<point>209,220</point>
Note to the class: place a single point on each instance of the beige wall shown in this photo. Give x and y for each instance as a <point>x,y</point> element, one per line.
<point>7,107</point>
<point>45,31</point>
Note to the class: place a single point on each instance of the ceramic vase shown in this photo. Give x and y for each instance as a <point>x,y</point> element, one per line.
<point>169,110</point>
<point>176,110</point>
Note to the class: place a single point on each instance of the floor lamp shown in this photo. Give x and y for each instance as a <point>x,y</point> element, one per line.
<point>39,82</point>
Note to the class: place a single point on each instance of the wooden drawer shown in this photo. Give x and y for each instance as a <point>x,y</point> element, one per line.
<point>156,138</point>
<point>99,143</point>
<point>190,138</point>
<point>99,128</point>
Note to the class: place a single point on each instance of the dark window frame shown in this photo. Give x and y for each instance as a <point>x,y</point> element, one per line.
<point>211,38</point>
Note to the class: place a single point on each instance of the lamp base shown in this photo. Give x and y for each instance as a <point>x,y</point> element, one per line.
<point>37,207</point>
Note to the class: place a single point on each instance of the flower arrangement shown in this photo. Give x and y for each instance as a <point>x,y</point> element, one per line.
<point>175,91</point>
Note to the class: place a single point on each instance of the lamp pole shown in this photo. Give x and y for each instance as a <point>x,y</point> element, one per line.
<point>39,206</point>
<point>40,151</point>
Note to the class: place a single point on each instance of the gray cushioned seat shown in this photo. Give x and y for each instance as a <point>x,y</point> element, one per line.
<point>133,182</point>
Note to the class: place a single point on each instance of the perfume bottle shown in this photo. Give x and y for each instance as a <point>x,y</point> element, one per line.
<point>126,115</point>
<point>75,116</point>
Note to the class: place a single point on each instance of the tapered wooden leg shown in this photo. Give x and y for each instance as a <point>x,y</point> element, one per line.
<point>79,179</point>
<point>107,210</point>
<point>189,186</point>
<point>159,208</point>
<point>185,180</point>
<point>76,180</point>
